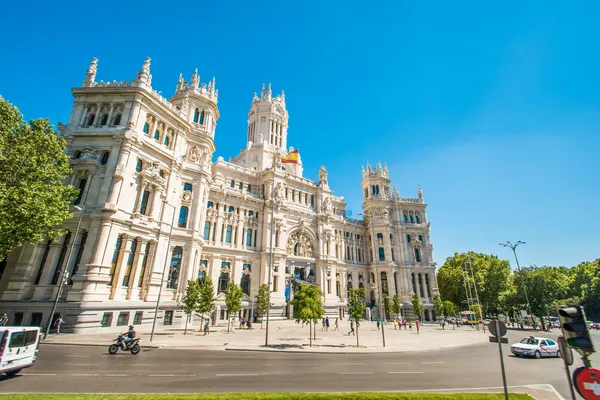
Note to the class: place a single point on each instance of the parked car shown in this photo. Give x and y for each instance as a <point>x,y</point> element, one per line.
<point>537,347</point>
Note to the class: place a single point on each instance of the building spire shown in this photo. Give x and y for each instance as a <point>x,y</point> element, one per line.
<point>90,75</point>
<point>144,76</point>
<point>195,79</point>
<point>420,193</point>
<point>213,85</point>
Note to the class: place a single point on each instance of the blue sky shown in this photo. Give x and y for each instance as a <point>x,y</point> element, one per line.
<point>493,110</point>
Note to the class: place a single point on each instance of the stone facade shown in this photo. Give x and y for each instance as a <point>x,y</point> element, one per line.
<point>155,208</point>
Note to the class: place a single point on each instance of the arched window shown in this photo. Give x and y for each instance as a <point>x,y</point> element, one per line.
<point>146,127</point>
<point>187,187</point>
<point>223,281</point>
<point>228,234</point>
<point>156,134</point>
<point>161,173</point>
<point>183,216</point>
<point>196,115</point>
<point>90,120</point>
<point>384,283</point>
<point>417,255</point>
<point>412,218</point>
<point>167,140</point>
<point>174,268</point>
<point>245,283</point>
<point>117,120</point>
<point>138,165</point>
<point>405,218</point>
<point>103,119</point>
<point>206,230</point>
<point>201,119</point>
<point>417,219</point>
<point>105,157</point>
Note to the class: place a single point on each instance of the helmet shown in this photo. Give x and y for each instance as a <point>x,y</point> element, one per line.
<point>130,326</point>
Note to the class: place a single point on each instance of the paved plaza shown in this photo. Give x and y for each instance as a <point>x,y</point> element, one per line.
<point>290,336</point>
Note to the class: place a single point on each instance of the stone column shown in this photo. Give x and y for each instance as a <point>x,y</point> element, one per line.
<point>97,116</point>
<point>110,114</point>
<point>120,171</point>
<point>84,115</point>
<point>148,270</point>
<point>136,267</point>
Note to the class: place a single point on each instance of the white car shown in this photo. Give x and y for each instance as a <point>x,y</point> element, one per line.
<point>537,347</point>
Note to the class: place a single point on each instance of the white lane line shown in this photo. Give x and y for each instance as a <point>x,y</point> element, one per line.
<point>115,374</point>
<point>406,372</point>
<point>197,365</point>
<point>237,374</point>
<point>354,373</point>
<point>30,374</point>
<point>351,363</point>
<point>433,362</point>
<point>85,374</point>
<point>397,363</point>
<point>162,375</point>
<point>82,365</point>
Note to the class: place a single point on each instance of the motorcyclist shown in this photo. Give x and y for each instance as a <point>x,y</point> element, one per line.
<point>130,336</point>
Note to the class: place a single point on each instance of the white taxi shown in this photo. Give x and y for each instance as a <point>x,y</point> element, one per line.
<point>537,347</point>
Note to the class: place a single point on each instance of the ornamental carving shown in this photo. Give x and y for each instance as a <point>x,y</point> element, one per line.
<point>327,206</point>
<point>380,212</point>
<point>186,197</point>
<point>323,177</point>
<point>299,244</point>
<point>194,153</point>
<point>88,154</point>
<point>225,270</point>
<point>414,240</point>
<point>212,214</point>
<point>231,217</point>
<point>251,221</point>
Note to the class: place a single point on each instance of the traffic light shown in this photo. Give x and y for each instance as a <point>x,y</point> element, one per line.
<point>575,329</point>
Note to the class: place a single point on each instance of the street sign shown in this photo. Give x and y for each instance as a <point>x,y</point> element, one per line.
<point>497,328</point>
<point>494,339</point>
<point>565,350</point>
<point>587,382</point>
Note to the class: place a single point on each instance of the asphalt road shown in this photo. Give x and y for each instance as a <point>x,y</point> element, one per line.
<point>93,370</point>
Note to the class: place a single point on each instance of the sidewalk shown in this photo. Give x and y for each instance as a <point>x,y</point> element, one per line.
<point>288,336</point>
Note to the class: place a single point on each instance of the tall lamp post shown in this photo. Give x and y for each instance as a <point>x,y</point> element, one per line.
<point>162,277</point>
<point>270,260</point>
<point>470,263</point>
<point>377,278</point>
<point>513,247</point>
<point>65,273</point>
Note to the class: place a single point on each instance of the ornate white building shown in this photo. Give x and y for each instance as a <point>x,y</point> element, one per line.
<point>154,207</point>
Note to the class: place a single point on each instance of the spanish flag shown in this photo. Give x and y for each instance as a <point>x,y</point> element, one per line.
<point>291,158</point>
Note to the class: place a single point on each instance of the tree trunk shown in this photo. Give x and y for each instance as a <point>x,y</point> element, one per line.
<point>309,334</point>
<point>186,324</point>
<point>228,322</point>
<point>315,329</point>
<point>357,335</point>
<point>262,318</point>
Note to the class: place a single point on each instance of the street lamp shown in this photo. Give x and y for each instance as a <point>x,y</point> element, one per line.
<point>252,306</point>
<point>270,258</point>
<point>377,277</point>
<point>162,278</point>
<point>513,247</point>
<point>470,263</point>
<point>65,273</point>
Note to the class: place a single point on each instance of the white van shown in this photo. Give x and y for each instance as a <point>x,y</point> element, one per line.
<point>18,348</point>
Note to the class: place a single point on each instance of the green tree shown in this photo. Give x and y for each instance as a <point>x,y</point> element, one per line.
<point>189,302</point>
<point>233,301</point>
<point>586,286</point>
<point>396,305</point>
<point>206,298</point>
<point>308,306</point>
<point>33,199</point>
<point>449,308</point>
<point>418,309</point>
<point>356,306</point>
<point>438,306</point>
<point>262,302</point>
<point>387,307</point>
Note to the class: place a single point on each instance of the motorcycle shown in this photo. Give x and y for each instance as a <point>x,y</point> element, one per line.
<point>133,346</point>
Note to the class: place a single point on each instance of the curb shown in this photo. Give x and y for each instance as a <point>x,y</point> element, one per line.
<point>90,345</point>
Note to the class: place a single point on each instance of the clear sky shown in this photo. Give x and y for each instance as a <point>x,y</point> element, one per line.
<point>494,109</point>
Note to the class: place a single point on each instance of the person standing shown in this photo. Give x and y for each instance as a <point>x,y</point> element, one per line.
<point>58,323</point>
<point>351,328</point>
<point>337,324</point>
<point>327,323</point>
<point>395,324</point>
<point>4,320</point>
<point>206,328</point>
<point>378,320</point>
<point>417,325</point>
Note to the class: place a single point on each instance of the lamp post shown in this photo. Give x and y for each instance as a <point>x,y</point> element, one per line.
<point>65,273</point>
<point>377,278</point>
<point>162,277</point>
<point>513,247</point>
<point>470,263</point>
<point>270,261</point>
<point>252,305</point>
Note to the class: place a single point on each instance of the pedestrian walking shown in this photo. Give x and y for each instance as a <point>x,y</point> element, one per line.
<point>327,322</point>
<point>404,323</point>
<point>410,326</point>
<point>351,328</point>
<point>323,324</point>
<point>337,324</point>
<point>206,328</point>
<point>378,320</point>
<point>58,323</point>
<point>417,325</point>
<point>395,324</point>
<point>249,323</point>
<point>4,320</point>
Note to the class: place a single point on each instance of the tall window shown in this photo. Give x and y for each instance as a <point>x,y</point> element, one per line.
<point>199,117</point>
<point>381,254</point>
<point>174,268</point>
<point>183,216</point>
<point>277,239</point>
<point>412,219</point>
<point>223,278</point>
<point>196,115</point>
<point>187,187</point>
<point>61,259</point>
<point>384,283</point>
<point>405,218</point>
<point>117,120</point>
<point>408,238</point>
<point>366,193</point>
<point>167,140</point>
<point>78,257</point>
<point>232,183</point>
<point>202,271</point>
<point>81,188</point>
<point>417,255</point>
<point>209,204</point>
<point>144,263</point>
<point>115,257</point>
<point>245,283</point>
<point>206,230</point>
<point>146,127</point>
<point>255,235</point>
<point>156,134</point>
<point>228,234</point>
<point>144,202</point>
<point>138,165</point>
<point>249,237</point>
<point>417,219</point>
<point>130,257</point>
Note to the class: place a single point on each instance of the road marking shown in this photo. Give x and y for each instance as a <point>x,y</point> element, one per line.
<point>115,374</point>
<point>85,374</point>
<point>354,373</point>
<point>237,374</point>
<point>162,375</point>
<point>30,374</point>
<point>197,365</point>
<point>82,365</point>
<point>407,372</point>
<point>433,362</point>
<point>351,363</point>
<point>397,363</point>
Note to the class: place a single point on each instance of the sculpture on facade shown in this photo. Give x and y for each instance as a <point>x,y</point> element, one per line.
<point>88,154</point>
<point>323,176</point>
<point>327,206</point>
<point>153,170</point>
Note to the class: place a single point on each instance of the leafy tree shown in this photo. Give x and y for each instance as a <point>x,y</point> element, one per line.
<point>418,308</point>
<point>586,286</point>
<point>356,306</point>
<point>438,306</point>
<point>262,301</point>
<point>449,308</point>
<point>206,297</point>
<point>387,307</point>
<point>308,306</point>
<point>33,199</point>
<point>396,305</point>
<point>189,302</point>
<point>233,301</point>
